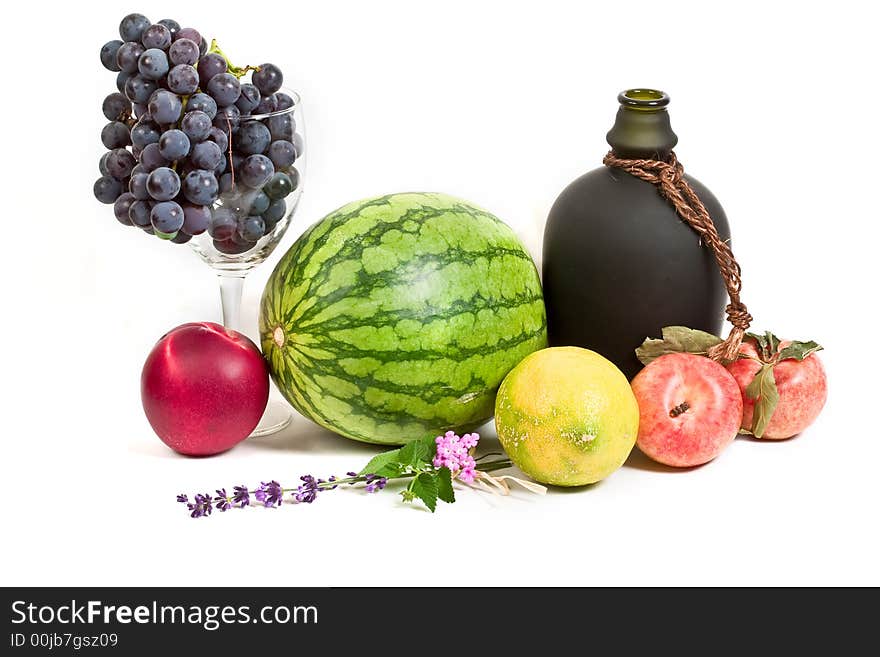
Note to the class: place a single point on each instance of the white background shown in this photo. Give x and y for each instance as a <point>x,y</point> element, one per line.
<point>503,104</point>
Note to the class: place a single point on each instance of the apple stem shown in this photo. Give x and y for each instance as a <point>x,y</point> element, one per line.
<point>678,410</point>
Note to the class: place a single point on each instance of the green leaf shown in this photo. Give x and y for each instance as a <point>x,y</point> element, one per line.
<point>799,350</point>
<point>415,453</point>
<point>763,390</point>
<point>676,339</point>
<point>425,488</point>
<point>772,344</point>
<point>386,464</point>
<point>444,485</point>
<point>760,345</point>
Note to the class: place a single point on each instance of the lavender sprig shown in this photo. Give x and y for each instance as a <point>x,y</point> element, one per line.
<point>429,465</point>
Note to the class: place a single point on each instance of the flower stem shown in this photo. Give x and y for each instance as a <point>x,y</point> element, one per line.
<point>325,485</point>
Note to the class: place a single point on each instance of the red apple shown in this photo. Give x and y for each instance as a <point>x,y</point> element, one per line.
<point>801,384</point>
<point>690,409</point>
<point>204,388</point>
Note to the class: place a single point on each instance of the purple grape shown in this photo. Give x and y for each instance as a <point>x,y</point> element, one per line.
<point>251,229</point>
<point>102,164</point>
<point>225,183</point>
<point>223,224</point>
<point>144,132</point>
<point>183,51</point>
<point>153,64</point>
<point>138,89</point>
<point>203,47</point>
<point>108,55</point>
<point>210,65</point>
<point>166,218</point>
<point>115,106</point>
<point>274,214</point>
<point>282,153</point>
<point>173,144</point>
<point>278,187</point>
<point>137,186</point>
<point>156,36</point>
<point>221,165</point>
<point>121,79</point>
<point>128,55</point>
<point>133,26</point>
<point>206,155</point>
<point>203,103</point>
<point>281,127</point>
<point>196,125</point>
<point>172,25</point>
<point>183,80</point>
<point>227,119</point>
<point>219,137</point>
<point>165,107</point>
<point>260,203</point>
<point>120,163</point>
<point>142,112</point>
<point>200,187</point>
<point>252,138</point>
<point>268,104</point>
<point>256,170</point>
<point>163,184</point>
<point>139,214</point>
<point>249,99</point>
<point>107,189</point>
<point>151,158</point>
<point>181,238</point>
<point>293,174</point>
<point>283,101</point>
<point>196,219</point>
<point>268,79</point>
<point>121,207</point>
<point>188,33</point>
<point>230,247</point>
<point>115,135</point>
<point>224,88</point>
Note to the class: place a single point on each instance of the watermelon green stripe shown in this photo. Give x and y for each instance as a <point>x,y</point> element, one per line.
<point>396,318</point>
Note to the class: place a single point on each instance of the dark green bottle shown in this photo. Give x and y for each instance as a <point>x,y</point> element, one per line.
<point>619,263</point>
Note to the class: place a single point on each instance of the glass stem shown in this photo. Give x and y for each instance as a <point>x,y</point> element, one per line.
<point>230,299</point>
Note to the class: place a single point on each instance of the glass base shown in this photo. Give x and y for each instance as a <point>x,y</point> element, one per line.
<point>275,418</point>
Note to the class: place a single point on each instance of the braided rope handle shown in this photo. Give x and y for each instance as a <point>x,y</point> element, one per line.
<point>668,176</point>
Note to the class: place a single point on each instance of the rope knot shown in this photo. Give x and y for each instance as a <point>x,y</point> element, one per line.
<point>670,175</point>
<point>739,316</point>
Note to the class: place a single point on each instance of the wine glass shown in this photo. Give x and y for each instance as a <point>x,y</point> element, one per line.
<point>241,214</point>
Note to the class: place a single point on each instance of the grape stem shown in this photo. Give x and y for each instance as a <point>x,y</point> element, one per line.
<point>237,71</point>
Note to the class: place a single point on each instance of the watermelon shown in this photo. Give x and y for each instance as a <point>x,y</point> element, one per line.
<point>396,318</point>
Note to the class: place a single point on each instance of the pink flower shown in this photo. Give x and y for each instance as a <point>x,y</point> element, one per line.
<point>453,452</point>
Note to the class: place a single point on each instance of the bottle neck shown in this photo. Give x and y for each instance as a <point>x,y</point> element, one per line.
<point>642,129</point>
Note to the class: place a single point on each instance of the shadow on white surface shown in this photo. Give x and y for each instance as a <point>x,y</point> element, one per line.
<point>639,461</point>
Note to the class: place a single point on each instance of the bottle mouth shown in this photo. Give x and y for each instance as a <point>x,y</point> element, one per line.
<point>643,99</point>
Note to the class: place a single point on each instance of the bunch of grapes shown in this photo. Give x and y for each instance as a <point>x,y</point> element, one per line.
<point>191,148</point>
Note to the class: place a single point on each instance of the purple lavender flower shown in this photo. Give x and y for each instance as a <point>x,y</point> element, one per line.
<point>182,498</point>
<point>307,491</point>
<point>351,474</point>
<point>269,494</point>
<point>241,496</point>
<point>375,483</point>
<point>201,506</point>
<point>222,501</point>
